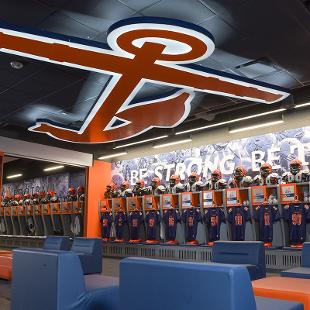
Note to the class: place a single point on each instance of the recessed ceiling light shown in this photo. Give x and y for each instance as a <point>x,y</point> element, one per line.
<point>171,143</point>
<point>139,142</point>
<point>256,126</point>
<point>16,65</point>
<point>53,168</point>
<point>230,121</point>
<point>301,105</point>
<point>13,176</point>
<point>112,155</point>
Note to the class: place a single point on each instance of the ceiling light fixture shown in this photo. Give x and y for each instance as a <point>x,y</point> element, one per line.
<point>139,142</point>
<point>53,168</point>
<point>14,176</point>
<point>256,126</point>
<point>231,121</point>
<point>112,155</point>
<point>301,105</point>
<point>16,65</point>
<point>171,143</point>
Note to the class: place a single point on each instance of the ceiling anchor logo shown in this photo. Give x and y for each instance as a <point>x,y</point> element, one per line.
<point>140,50</point>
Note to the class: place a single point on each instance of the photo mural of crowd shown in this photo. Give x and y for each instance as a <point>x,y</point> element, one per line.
<point>266,160</point>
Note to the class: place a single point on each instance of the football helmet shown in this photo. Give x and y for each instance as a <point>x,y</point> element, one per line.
<point>174,180</point>
<point>295,166</point>
<point>216,175</point>
<point>155,182</point>
<point>265,170</point>
<point>239,173</point>
<point>124,186</point>
<point>193,178</point>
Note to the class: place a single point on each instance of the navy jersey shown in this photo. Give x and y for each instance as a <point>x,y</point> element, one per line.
<point>152,221</point>
<point>297,216</point>
<point>266,216</point>
<point>120,220</point>
<point>213,218</point>
<point>171,218</point>
<point>106,224</point>
<point>237,217</point>
<point>135,222</point>
<point>191,217</point>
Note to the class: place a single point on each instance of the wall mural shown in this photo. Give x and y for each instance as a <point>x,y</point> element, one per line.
<point>58,183</point>
<point>140,50</point>
<point>276,148</point>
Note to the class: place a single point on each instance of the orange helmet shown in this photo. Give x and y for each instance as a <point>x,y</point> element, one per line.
<point>265,169</point>
<point>194,177</point>
<point>71,191</point>
<point>80,189</point>
<point>17,197</point>
<point>140,183</point>
<point>174,179</point>
<point>27,196</point>
<point>295,166</point>
<point>216,175</point>
<point>155,182</point>
<point>239,172</point>
<point>124,185</point>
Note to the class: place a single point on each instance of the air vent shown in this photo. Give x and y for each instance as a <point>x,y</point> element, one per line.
<point>255,68</point>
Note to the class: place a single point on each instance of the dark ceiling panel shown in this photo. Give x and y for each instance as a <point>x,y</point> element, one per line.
<point>189,10</point>
<point>245,32</point>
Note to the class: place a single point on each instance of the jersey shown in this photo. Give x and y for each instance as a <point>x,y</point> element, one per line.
<point>152,221</point>
<point>120,220</point>
<point>126,193</point>
<point>191,217</point>
<point>196,187</point>
<point>135,222</point>
<point>237,217</point>
<point>171,218</point>
<point>106,224</point>
<point>266,216</point>
<point>301,176</point>
<point>178,188</point>
<point>213,218</point>
<point>259,180</point>
<point>219,184</point>
<point>297,217</point>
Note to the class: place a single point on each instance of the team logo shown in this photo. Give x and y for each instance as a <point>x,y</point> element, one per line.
<point>140,50</point>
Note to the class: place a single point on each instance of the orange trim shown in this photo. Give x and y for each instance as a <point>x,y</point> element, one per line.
<point>98,177</point>
<point>291,289</point>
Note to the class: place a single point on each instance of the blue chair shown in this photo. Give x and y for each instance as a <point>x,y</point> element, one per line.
<point>57,243</point>
<point>303,271</point>
<point>251,254</point>
<point>157,284</point>
<point>53,280</point>
<point>89,250</point>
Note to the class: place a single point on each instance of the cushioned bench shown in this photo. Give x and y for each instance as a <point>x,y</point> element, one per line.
<point>303,271</point>
<point>161,285</point>
<point>57,243</point>
<point>89,250</point>
<point>6,265</point>
<point>250,254</point>
<point>53,280</point>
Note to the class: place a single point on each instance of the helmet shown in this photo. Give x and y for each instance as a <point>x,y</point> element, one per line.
<point>273,179</point>
<point>35,195</point>
<point>17,197</point>
<point>295,166</point>
<point>155,182</point>
<point>140,183</point>
<point>27,196</point>
<point>194,177</point>
<point>174,180</point>
<point>265,170</point>
<point>124,185</point>
<point>80,190</point>
<point>216,175</point>
<point>71,191</point>
<point>239,172</point>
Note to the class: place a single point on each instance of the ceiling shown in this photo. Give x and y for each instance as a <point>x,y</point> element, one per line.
<point>265,40</point>
<point>30,168</point>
